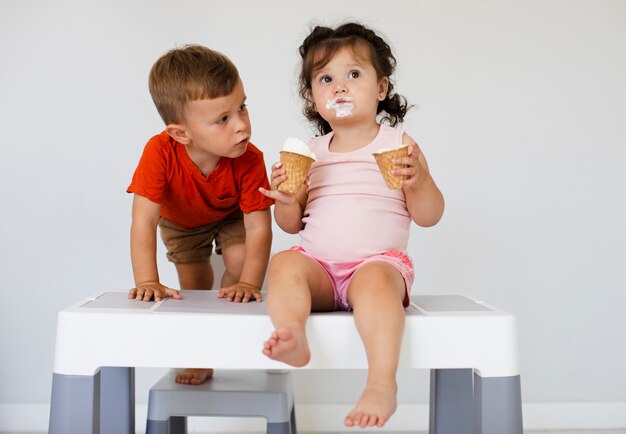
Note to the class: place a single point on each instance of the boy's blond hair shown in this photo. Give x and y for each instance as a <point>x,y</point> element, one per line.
<point>187,74</point>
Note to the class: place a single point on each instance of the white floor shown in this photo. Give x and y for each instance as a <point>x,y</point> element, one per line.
<point>618,431</point>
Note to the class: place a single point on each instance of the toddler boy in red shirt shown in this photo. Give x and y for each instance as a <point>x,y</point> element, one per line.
<point>199,182</point>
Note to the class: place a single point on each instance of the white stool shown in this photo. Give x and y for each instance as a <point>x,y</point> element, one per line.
<point>230,393</point>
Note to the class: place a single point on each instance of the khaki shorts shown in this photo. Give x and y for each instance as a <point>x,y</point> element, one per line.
<point>196,244</point>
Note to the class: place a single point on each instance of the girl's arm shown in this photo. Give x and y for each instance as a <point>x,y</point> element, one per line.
<point>423,198</point>
<point>289,208</point>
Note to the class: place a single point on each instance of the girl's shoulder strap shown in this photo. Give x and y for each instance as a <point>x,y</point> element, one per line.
<point>392,134</point>
<point>319,144</point>
<point>388,137</point>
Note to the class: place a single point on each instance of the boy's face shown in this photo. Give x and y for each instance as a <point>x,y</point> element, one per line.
<point>218,126</point>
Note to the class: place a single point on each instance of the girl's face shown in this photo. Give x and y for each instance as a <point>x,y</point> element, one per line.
<point>347,89</point>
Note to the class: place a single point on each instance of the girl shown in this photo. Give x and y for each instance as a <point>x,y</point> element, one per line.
<point>354,230</point>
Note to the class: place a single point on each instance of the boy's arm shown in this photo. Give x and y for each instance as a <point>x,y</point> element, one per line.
<point>258,226</point>
<point>143,252</point>
<point>423,198</point>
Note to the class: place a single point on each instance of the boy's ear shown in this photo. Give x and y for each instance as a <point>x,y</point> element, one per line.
<point>178,133</point>
<point>383,88</point>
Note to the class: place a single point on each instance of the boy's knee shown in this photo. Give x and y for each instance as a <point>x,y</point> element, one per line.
<point>234,257</point>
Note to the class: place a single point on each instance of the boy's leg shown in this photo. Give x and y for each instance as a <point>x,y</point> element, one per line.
<point>230,242</point>
<point>297,285</point>
<point>190,251</point>
<point>234,257</point>
<point>195,275</point>
<point>375,293</point>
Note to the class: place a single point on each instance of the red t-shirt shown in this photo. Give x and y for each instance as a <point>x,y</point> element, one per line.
<point>166,175</point>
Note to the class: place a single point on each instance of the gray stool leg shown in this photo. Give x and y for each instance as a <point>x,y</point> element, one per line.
<point>279,428</point>
<point>75,405</point>
<point>117,400</point>
<point>293,420</point>
<point>178,425</point>
<point>451,401</point>
<point>156,427</point>
<point>174,425</point>
<point>498,405</point>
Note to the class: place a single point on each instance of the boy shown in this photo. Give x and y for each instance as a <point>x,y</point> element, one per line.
<point>198,181</point>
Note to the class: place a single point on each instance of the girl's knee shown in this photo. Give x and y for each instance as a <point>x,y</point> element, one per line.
<point>284,259</point>
<point>377,279</point>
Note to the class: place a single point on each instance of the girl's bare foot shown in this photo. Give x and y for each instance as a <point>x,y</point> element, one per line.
<point>194,376</point>
<point>289,346</point>
<point>375,406</point>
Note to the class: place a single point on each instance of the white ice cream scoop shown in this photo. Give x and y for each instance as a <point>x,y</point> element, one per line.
<point>297,146</point>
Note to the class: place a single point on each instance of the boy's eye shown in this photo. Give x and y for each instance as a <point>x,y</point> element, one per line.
<point>353,74</point>
<point>222,120</point>
<point>243,107</point>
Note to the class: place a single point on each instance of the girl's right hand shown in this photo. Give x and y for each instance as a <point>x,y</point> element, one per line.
<point>146,291</point>
<point>278,175</point>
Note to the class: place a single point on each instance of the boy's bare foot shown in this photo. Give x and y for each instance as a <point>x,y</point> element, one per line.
<point>194,376</point>
<point>289,346</point>
<point>375,406</point>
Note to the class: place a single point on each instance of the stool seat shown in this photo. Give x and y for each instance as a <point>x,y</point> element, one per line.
<point>229,393</point>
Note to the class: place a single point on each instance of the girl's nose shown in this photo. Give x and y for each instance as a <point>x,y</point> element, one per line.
<point>340,88</point>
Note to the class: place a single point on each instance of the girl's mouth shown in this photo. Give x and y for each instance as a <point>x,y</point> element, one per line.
<point>341,100</point>
<point>342,106</point>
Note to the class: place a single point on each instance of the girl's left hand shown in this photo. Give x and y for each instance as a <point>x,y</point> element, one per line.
<point>416,169</point>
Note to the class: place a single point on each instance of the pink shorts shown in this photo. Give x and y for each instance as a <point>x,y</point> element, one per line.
<point>340,273</point>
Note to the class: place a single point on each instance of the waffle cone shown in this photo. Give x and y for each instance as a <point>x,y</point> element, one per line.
<point>384,161</point>
<point>297,167</point>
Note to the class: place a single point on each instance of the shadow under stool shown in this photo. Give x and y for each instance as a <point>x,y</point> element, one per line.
<point>230,393</point>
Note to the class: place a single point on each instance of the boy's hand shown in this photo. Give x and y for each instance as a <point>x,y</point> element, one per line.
<point>279,174</point>
<point>240,292</point>
<point>146,291</point>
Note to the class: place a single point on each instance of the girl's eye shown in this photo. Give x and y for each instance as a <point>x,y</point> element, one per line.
<point>325,79</point>
<point>353,74</point>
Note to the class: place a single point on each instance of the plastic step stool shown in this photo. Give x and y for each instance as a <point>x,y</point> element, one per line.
<point>230,393</point>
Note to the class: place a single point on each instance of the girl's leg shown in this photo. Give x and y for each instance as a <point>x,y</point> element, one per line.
<point>297,285</point>
<point>376,293</point>
<point>195,275</point>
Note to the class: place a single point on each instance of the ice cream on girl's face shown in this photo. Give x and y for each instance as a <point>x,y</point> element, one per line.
<point>342,106</point>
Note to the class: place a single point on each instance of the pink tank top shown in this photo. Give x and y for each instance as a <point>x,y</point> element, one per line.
<point>350,213</point>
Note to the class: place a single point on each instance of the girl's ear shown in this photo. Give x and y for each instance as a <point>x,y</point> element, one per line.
<point>179,133</point>
<point>383,88</point>
<point>310,101</point>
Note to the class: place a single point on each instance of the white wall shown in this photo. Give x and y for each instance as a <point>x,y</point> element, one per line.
<point>520,111</point>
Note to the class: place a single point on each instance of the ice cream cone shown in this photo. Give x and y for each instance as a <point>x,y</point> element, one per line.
<point>384,161</point>
<point>297,167</point>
